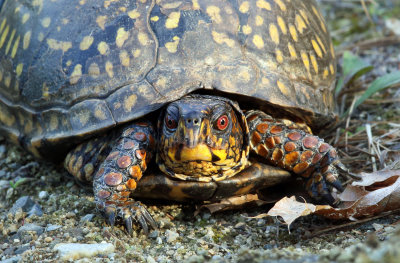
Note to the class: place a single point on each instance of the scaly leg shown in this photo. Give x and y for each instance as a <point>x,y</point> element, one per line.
<point>291,147</point>
<point>119,159</point>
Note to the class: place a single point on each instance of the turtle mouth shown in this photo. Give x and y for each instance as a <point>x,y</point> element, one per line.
<point>200,152</point>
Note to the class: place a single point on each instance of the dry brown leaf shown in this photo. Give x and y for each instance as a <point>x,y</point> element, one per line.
<point>235,202</point>
<point>376,193</point>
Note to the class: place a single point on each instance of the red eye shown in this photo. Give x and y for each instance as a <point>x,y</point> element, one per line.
<point>222,122</point>
<point>170,123</point>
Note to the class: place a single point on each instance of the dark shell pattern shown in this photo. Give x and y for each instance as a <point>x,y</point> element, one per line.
<point>71,69</point>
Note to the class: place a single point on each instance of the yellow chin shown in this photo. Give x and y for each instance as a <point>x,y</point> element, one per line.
<point>199,153</point>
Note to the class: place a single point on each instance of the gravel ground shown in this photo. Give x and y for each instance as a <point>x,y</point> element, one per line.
<point>45,209</point>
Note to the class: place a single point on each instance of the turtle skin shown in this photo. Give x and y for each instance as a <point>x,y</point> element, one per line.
<point>202,145</point>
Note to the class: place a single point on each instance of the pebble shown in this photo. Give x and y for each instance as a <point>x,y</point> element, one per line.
<point>171,236</point>
<point>48,239</point>
<point>87,218</point>
<point>74,251</point>
<point>43,195</point>
<point>11,260</point>
<point>30,227</point>
<point>36,210</point>
<point>51,227</point>
<point>150,259</point>
<point>377,227</point>
<point>25,203</point>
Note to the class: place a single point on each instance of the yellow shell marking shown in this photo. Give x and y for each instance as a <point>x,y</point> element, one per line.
<point>122,36</point>
<point>130,102</point>
<point>263,5</point>
<point>273,33</point>
<point>26,40</point>
<point>258,41</point>
<point>46,22</point>
<point>221,38</point>
<point>101,21</point>
<point>53,122</point>
<point>133,14</point>
<point>109,69</point>
<point>316,48</point>
<point>103,48</point>
<point>265,81</point>
<point>4,35</point>
<point>300,24</point>
<point>154,18</point>
<point>304,15</point>
<point>18,69</point>
<point>247,29</point>
<point>196,5</point>
<point>124,58</point>
<point>293,32</point>
<point>76,74</point>
<point>3,24</point>
<point>325,74</point>
<point>213,12</point>
<point>320,43</point>
<point>282,25</point>
<point>292,51</point>
<point>306,61</point>
<point>40,37</point>
<point>172,47</point>
<point>282,88</point>
<point>244,7</point>
<point>259,20</point>
<point>332,69</point>
<point>332,51</point>
<point>99,113</point>
<point>7,81</point>
<point>244,75</point>
<point>86,43</point>
<point>10,41</point>
<point>45,90</point>
<point>25,18</point>
<point>59,45</point>
<point>279,55</point>
<point>136,53</point>
<point>173,20</point>
<point>94,70</point>
<point>314,63</point>
<point>143,39</point>
<point>281,5</point>
<point>15,47</point>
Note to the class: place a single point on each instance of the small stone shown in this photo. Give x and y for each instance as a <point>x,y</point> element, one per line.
<point>25,203</point>
<point>22,249</point>
<point>36,210</point>
<point>70,215</point>
<point>150,259</point>
<point>30,227</point>
<point>87,218</point>
<point>48,239</point>
<point>43,195</point>
<point>51,227</point>
<point>240,225</point>
<point>153,234</point>
<point>74,251</point>
<point>4,184</point>
<point>171,236</point>
<point>159,240</point>
<point>12,260</point>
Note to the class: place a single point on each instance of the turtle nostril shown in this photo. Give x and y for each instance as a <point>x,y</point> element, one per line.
<point>189,120</point>
<point>195,121</point>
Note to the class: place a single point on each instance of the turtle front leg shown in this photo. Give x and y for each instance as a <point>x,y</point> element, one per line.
<point>118,171</point>
<point>291,147</point>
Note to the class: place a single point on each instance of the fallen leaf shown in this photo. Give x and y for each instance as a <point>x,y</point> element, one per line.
<point>234,202</point>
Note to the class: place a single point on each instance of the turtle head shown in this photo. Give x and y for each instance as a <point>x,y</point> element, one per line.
<point>202,138</point>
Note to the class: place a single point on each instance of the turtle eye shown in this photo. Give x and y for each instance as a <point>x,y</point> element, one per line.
<point>170,122</point>
<point>222,122</point>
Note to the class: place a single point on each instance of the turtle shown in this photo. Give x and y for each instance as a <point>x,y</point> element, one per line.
<point>189,89</point>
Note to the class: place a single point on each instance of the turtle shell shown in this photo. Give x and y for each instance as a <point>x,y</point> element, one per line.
<point>72,69</point>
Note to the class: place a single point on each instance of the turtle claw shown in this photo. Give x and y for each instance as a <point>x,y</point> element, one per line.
<point>110,215</point>
<point>128,225</point>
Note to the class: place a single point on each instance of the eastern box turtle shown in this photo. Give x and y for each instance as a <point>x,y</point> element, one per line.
<point>126,85</point>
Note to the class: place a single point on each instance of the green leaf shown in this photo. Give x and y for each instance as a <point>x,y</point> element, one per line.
<point>353,68</point>
<point>379,84</point>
